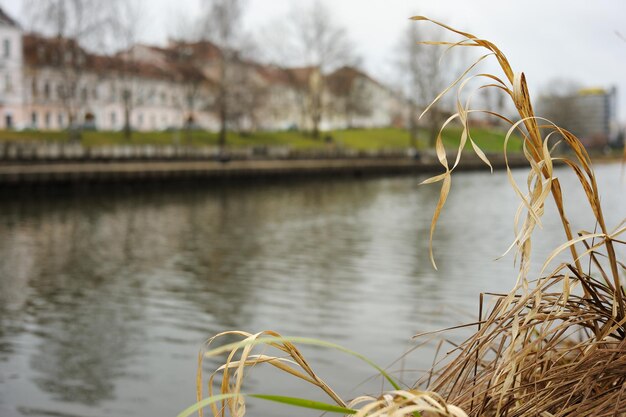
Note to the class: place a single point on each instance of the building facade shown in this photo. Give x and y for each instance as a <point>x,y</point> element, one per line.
<point>12,111</point>
<point>590,114</point>
<point>49,83</point>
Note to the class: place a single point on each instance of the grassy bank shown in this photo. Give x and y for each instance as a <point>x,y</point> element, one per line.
<point>360,139</point>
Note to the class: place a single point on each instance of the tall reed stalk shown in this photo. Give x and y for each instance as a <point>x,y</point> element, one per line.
<point>545,348</point>
<point>552,346</point>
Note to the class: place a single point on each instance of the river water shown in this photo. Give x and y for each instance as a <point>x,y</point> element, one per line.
<point>106,296</point>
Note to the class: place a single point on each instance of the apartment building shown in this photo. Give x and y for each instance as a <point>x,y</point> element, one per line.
<point>590,114</point>
<point>49,83</point>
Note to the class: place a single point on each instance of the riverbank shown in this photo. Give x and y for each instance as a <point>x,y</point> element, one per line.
<point>132,171</point>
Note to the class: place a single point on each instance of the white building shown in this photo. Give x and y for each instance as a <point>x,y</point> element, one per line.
<point>12,111</point>
<point>53,83</point>
<point>64,84</point>
<point>356,100</point>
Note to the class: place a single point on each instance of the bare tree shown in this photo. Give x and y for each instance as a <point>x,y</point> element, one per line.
<point>188,60</point>
<point>75,26</point>
<point>424,77</point>
<point>222,25</point>
<point>310,38</point>
<point>248,91</point>
<point>188,54</point>
<point>128,19</point>
<point>183,25</point>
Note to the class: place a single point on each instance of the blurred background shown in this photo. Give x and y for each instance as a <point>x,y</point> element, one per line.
<point>245,67</point>
<point>110,285</point>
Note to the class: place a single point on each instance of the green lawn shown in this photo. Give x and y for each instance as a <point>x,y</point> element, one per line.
<point>488,140</point>
<point>360,139</point>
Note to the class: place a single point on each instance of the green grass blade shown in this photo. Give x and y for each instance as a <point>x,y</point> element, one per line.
<point>205,403</point>
<point>293,401</point>
<point>303,402</point>
<point>305,341</point>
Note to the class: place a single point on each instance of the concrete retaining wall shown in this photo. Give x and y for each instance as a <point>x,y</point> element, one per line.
<point>86,172</point>
<point>62,152</point>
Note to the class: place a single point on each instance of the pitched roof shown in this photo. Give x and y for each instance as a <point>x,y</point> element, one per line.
<point>7,20</point>
<point>40,51</point>
<point>201,50</point>
<point>273,74</point>
<point>340,81</point>
<point>298,77</point>
<point>301,76</point>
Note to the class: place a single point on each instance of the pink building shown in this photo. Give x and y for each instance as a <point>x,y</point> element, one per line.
<point>49,83</point>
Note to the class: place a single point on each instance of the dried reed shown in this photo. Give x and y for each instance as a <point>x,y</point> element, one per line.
<point>546,348</point>
<point>554,346</point>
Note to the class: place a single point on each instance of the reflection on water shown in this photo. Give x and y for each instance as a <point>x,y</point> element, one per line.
<point>105,297</point>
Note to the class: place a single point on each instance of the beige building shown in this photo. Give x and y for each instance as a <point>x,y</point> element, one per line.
<point>53,83</point>
<point>65,85</point>
<point>359,101</point>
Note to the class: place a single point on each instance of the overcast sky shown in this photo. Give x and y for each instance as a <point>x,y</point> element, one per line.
<point>546,39</point>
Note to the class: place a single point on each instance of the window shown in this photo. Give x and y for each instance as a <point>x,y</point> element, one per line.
<point>126,95</point>
<point>46,90</point>
<point>60,120</point>
<point>48,119</point>
<point>83,94</point>
<point>34,88</point>
<point>113,120</point>
<point>8,83</point>
<point>6,50</point>
<point>140,120</point>
<point>33,119</point>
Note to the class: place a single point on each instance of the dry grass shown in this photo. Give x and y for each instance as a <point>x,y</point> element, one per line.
<point>242,356</point>
<point>554,346</point>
